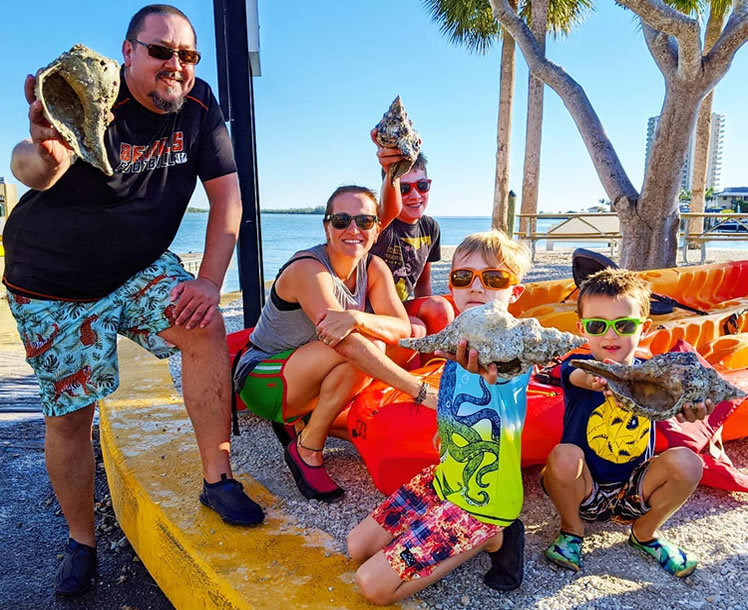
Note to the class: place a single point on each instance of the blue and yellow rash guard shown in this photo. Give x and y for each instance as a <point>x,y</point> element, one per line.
<point>480,427</point>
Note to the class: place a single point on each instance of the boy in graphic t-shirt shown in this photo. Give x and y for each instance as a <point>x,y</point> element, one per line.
<point>604,469</point>
<point>409,242</point>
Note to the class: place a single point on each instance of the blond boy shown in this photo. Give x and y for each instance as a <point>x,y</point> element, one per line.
<point>427,528</point>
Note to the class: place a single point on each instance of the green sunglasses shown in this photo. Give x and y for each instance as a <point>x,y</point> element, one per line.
<point>621,326</point>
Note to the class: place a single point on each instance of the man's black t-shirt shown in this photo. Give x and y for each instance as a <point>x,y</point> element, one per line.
<point>85,236</point>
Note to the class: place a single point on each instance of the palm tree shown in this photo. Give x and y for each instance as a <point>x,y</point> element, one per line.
<point>558,17</point>
<point>471,23</point>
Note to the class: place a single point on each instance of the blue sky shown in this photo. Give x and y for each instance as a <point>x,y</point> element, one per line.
<point>330,68</point>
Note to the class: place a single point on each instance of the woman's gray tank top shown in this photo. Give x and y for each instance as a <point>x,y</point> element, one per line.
<point>283,326</point>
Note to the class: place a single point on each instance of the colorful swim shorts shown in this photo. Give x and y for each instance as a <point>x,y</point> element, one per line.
<point>618,502</point>
<point>72,346</point>
<point>264,389</point>
<point>426,529</point>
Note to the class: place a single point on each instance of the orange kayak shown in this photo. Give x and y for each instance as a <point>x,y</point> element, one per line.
<point>396,438</point>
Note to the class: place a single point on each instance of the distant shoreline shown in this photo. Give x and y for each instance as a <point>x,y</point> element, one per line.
<point>319,211</point>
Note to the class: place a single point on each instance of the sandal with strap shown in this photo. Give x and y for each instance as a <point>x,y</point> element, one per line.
<point>285,433</point>
<point>672,558</point>
<point>313,481</point>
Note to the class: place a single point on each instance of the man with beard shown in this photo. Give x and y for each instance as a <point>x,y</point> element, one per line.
<point>87,258</point>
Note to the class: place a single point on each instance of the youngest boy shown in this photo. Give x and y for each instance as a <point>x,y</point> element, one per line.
<point>604,468</point>
<point>450,511</point>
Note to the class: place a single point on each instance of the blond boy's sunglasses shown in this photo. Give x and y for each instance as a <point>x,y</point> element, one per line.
<point>492,279</point>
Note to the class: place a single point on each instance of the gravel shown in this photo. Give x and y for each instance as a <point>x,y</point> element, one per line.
<point>713,523</point>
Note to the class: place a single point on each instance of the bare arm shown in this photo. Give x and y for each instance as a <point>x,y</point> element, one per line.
<point>223,226</point>
<point>392,200</point>
<point>308,283</point>
<point>198,299</point>
<point>389,321</point>
<point>40,161</point>
<point>582,379</point>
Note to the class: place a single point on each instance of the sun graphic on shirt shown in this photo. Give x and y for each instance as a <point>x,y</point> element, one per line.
<point>617,435</point>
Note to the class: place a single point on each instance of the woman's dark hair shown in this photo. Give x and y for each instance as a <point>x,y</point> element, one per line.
<point>354,189</point>
<point>137,23</point>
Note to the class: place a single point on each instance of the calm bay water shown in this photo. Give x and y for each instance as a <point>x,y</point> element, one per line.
<point>284,234</point>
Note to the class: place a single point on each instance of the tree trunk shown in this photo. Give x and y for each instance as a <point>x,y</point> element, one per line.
<point>703,133</point>
<point>649,227</point>
<point>700,162</point>
<point>504,131</point>
<point>534,126</point>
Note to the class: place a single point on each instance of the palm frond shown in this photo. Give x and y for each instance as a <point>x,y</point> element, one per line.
<point>468,23</point>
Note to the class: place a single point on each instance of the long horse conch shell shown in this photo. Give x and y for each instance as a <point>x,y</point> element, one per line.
<point>661,386</point>
<point>77,91</point>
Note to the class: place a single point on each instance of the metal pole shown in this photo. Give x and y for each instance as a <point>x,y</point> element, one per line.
<point>510,213</point>
<point>237,104</point>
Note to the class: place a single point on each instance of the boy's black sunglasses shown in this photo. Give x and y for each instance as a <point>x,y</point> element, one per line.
<point>363,221</point>
<point>422,186</point>
<point>186,56</point>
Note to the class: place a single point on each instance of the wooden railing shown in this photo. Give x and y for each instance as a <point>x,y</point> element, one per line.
<point>715,229</point>
<point>604,227</point>
<point>570,227</point>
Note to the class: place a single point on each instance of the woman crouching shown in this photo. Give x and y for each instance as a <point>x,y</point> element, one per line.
<point>315,347</point>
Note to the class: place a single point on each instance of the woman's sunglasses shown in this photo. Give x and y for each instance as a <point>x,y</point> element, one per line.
<point>363,221</point>
<point>621,326</point>
<point>422,186</point>
<point>161,52</point>
<point>492,279</point>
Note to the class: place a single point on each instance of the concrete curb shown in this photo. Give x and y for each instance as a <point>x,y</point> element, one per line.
<point>153,466</point>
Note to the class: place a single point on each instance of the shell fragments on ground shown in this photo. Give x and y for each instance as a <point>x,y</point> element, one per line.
<point>513,344</point>
<point>661,386</point>
<point>77,91</point>
<point>395,130</point>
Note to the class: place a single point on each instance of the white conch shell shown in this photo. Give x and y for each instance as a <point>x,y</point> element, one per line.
<point>513,344</point>
<point>77,91</point>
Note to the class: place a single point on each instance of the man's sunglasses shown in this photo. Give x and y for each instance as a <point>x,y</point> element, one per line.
<point>492,279</point>
<point>422,186</point>
<point>363,221</point>
<point>161,52</point>
<point>621,326</point>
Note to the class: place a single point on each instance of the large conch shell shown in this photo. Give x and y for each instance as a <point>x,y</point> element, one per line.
<point>395,130</point>
<point>513,344</point>
<point>661,386</point>
<point>77,91</point>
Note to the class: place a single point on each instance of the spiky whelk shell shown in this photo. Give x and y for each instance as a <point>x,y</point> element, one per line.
<point>395,130</point>
<point>661,386</point>
<point>513,344</point>
<point>77,91</point>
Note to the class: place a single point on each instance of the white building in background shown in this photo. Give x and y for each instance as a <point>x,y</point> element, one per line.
<point>716,143</point>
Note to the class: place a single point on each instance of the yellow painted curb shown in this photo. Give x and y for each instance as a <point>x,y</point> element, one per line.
<point>153,467</point>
